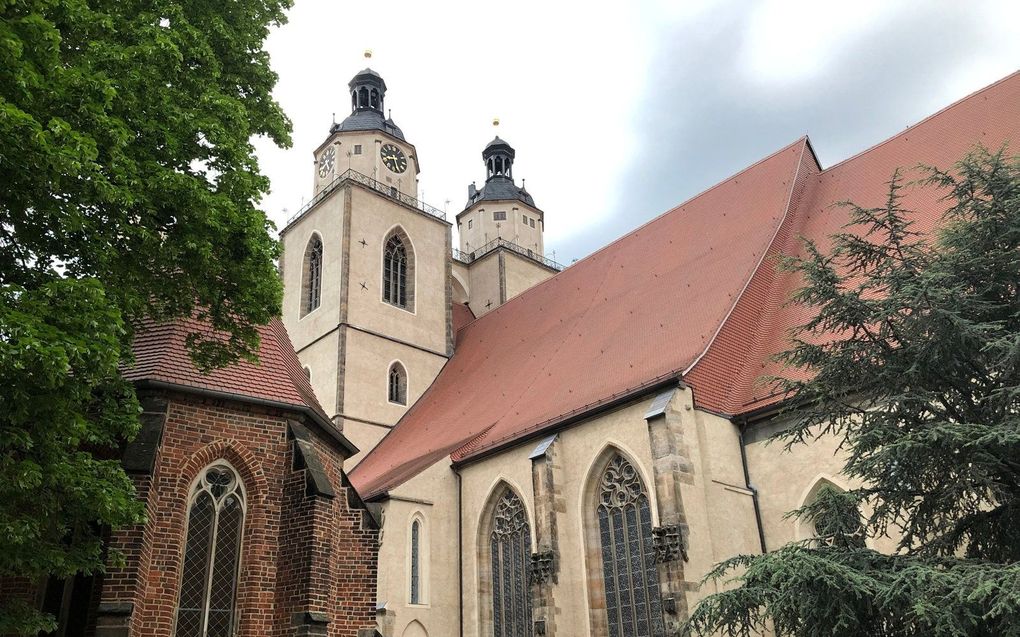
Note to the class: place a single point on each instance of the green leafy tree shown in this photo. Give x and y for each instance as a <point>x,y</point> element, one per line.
<point>128,190</point>
<point>914,364</point>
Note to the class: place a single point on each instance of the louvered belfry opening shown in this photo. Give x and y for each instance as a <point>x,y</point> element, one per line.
<point>510,546</point>
<point>211,555</point>
<point>633,603</point>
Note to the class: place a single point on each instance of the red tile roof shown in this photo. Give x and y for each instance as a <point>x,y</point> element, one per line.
<point>278,378</point>
<point>462,315</point>
<point>693,292</point>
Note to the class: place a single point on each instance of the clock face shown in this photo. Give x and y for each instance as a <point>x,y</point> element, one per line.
<point>326,161</point>
<point>393,158</point>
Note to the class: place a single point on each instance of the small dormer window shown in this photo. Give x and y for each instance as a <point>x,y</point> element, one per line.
<point>499,215</point>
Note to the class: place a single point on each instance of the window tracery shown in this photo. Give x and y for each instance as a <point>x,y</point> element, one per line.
<point>398,279</point>
<point>623,514</point>
<point>510,546</point>
<point>313,275</point>
<point>397,380</point>
<point>212,553</point>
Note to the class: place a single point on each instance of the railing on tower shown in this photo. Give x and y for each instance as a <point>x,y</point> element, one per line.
<point>378,186</point>
<point>478,253</point>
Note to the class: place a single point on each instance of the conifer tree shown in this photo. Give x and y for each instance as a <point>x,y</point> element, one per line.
<point>913,364</point>
<point>129,190</point>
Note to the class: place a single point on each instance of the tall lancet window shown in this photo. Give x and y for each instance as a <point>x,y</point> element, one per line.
<point>212,551</point>
<point>398,271</point>
<point>510,547</point>
<point>416,562</point>
<point>631,581</point>
<point>312,287</point>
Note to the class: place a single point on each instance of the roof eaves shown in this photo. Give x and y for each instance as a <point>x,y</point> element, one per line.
<point>327,427</point>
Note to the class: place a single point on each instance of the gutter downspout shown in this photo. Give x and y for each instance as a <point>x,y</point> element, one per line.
<point>750,487</point>
<point>460,549</point>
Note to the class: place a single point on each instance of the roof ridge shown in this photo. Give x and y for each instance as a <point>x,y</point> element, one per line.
<point>754,271</point>
<point>923,121</point>
<point>799,140</point>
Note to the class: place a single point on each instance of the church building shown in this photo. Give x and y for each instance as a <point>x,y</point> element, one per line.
<point>568,451</point>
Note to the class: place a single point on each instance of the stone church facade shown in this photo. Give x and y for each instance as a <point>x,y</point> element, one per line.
<point>568,451</point>
<point>477,441</point>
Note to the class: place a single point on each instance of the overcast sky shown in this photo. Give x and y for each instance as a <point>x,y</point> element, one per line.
<point>620,111</point>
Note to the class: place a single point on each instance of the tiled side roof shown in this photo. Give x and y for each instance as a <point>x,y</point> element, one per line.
<point>693,292</point>
<point>641,308</point>
<point>161,356</point>
<point>759,327</point>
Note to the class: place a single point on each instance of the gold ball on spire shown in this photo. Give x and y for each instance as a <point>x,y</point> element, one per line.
<point>368,54</point>
<point>495,121</point>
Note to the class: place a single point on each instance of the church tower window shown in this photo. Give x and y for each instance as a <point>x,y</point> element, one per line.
<point>398,271</point>
<point>630,577</point>
<point>397,390</point>
<point>510,563</point>
<point>212,552</point>
<point>313,276</point>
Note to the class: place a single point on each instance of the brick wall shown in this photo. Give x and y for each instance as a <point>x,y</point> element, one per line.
<point>308,562</point>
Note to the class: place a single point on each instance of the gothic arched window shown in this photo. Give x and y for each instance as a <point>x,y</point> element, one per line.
<point>312,287</point>
<point>624,519</point>
<point>398,271</point>
<point>510,563</point>
<point>212,552</point>
<point>397,381</point>
<point>416,562</point>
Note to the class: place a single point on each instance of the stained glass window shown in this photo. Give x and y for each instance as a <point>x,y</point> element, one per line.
<point>510,544</point>
<point>212,546</point>
<point>395,272</point>
<point>633,604</point>
<point>415,562</point>
<point>313,275</point>
<point>397,390</point>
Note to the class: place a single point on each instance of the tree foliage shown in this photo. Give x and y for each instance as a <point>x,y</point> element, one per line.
<point>130,189</point>
<point>913,361</point>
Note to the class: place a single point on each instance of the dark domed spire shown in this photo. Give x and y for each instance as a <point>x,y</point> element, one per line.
<point>368,90</point>
<point>499,159</point>
<point>499,179</point>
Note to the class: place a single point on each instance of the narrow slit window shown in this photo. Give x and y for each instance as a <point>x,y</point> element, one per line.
<point>416,562</point>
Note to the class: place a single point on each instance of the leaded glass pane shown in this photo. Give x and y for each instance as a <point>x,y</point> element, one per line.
<point>633,607</point>
<point>510,543</point>
<point>415,563</point>
<point>211,556</point>
<point>314,274</point>
<point>395,272</point>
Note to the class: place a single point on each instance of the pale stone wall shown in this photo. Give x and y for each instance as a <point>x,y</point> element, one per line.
<point>485,286</point>
<point>373,218</point>
<point>368,361</point>
<point>433,496</point>
<point>326,220</point>
<point>785,480</point>
<point>477,226</point>
<point>521,273</point>
<point>368,162</point>
<point>687,456</point>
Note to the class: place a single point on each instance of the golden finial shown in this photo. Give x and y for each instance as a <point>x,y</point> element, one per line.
<point>368,54</point>
<point>495,121</point>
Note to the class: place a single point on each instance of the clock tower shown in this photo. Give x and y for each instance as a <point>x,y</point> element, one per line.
<point>366,269</point>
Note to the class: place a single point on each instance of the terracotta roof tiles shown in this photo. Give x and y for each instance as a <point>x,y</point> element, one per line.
<point>692,293</point>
